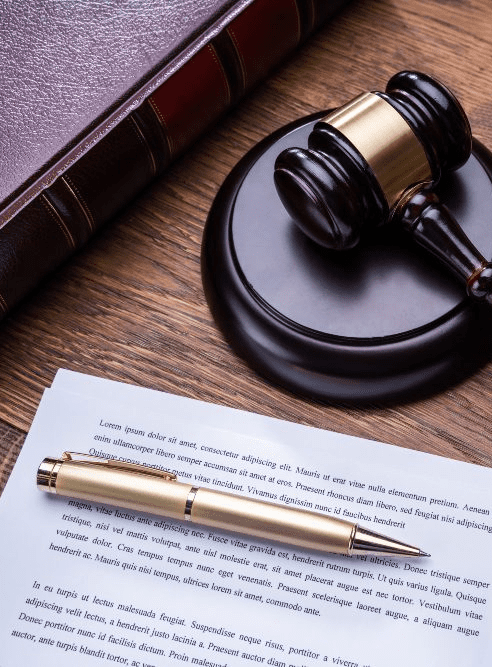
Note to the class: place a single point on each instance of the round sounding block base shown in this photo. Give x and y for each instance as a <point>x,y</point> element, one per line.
<point>381,322</point>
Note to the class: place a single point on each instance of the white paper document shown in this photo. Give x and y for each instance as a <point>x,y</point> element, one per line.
<point>93,585</point>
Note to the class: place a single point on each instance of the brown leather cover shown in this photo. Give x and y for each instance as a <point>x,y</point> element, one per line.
<point>99,97</point>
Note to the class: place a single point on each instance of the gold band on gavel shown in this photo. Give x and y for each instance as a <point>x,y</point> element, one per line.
<point>386,142</point>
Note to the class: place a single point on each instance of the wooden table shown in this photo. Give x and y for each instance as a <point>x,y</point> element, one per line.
<point>130,306</point>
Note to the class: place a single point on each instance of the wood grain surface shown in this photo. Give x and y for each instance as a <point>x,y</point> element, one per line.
<point>130,305</point>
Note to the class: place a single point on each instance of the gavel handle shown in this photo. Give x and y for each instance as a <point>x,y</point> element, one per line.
<point>433,227</point>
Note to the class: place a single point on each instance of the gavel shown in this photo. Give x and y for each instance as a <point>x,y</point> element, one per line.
<point>377,160</point>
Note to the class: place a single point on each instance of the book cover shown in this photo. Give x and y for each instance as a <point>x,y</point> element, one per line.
<point>98,98</point>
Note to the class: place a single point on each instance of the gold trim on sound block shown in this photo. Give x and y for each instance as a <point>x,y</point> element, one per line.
<point>386,142</point>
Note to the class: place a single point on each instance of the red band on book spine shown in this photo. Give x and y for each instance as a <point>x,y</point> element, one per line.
<point>191,99</point>
<point>263,34</point>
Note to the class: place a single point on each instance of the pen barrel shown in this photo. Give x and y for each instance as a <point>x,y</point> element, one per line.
<point>153,494</point>
<point>289,525</point>
<point>142,493</point>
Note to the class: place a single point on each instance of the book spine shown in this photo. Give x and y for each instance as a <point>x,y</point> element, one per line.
<point>64,215</point>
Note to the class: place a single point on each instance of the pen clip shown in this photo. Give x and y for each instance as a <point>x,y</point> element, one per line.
<point>137,468</point>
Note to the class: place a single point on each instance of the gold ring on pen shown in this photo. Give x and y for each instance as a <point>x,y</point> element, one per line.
<point>189,502</point>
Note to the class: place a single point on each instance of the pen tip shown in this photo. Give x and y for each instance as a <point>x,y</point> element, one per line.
<point>423,554</point>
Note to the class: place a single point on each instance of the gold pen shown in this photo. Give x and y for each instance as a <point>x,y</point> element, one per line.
<point>145,489</point>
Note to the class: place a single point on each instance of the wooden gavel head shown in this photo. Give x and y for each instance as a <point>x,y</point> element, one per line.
<point>376,160</point>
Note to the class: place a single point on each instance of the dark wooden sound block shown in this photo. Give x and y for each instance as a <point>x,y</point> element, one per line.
<point>380,322</point>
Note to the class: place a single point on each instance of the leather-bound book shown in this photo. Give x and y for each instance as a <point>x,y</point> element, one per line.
<point>97,98</point>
